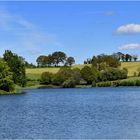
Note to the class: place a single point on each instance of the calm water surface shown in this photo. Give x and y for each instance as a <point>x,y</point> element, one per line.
<point>71,113</point>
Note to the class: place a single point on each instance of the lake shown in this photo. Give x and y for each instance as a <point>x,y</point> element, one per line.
<point>71,113</point>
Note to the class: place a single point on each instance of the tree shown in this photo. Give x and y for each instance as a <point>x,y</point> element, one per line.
<point>118,55</point>
<point>127,57</point>
<point>76,74</point>
<point>6,82</point>
<point>123,57</point>
<point>70,61</point>
<point>62,75</point>
<point>113,74</point>
<point>88,75</point>
<point>41,61</point>
<point>102,61</point>
<point>135,57</point>
<point>94,62</point>
<point>58,57</point>
<point>17,67</point>
<point>50,60</point>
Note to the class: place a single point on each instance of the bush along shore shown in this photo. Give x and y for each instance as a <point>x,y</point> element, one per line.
<point>15,92</point>
<point>117,83</point>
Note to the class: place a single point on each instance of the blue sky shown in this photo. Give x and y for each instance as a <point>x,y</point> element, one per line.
<point>80,29</point>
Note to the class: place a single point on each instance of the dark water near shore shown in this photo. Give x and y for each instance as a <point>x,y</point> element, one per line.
<point>71,113</point>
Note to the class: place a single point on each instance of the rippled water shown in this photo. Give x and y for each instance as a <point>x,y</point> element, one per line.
<point>71,113</point>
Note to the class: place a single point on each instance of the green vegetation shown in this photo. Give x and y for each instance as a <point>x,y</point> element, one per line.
<point>6,82</point>
<point>17,67</point>
<point>103,68</point>
<point>12,72</point>
<point>56,70</point>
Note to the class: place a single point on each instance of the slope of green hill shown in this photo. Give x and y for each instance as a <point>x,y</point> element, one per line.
<point>131,66</point>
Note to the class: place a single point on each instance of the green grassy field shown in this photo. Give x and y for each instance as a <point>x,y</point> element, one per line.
<point>34,73</point>
<point>131,66</point>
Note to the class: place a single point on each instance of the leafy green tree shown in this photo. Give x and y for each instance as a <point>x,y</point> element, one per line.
<point>62,75</point>
<point>88,74</point>
<point>94,62</point>
<point>6,82</point>
<point>58,57</point>
<point>127,57</point>
<point>17,67</point>
<point>50,60</point>
<point>76,74</point>
<point>113,74</point>
<point>70,61</point>
<point>103,61</point>
<point>135,57</point>
<point>42,61</point>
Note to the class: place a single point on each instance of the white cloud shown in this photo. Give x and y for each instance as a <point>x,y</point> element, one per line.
<point>129,29</point>
<point>129,46</point>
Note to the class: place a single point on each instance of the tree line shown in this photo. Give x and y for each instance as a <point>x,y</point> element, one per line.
<point>57,58</point>
<point>119,56</point>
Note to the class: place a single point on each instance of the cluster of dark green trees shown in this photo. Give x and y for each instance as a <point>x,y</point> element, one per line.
<point>65,77</point>
<point>12,71</point>
<point>54,59</point>
<point>103,68</point>
<point>125,57</point>
<point>119,56</point>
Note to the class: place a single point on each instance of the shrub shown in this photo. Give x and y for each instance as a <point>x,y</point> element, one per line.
<point>137,83</point>
<point>124,73</point>
<point>7,84</point>
<point>70,83</point>
<point>76,75</point>
<point>104,84</point>
<point>62,75</point>
<point>116,83</point>
<point>113,74</point>
<point>46,78</point>
<point>89,74</point>
<point>93,84</point>
<point>127,83</point>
